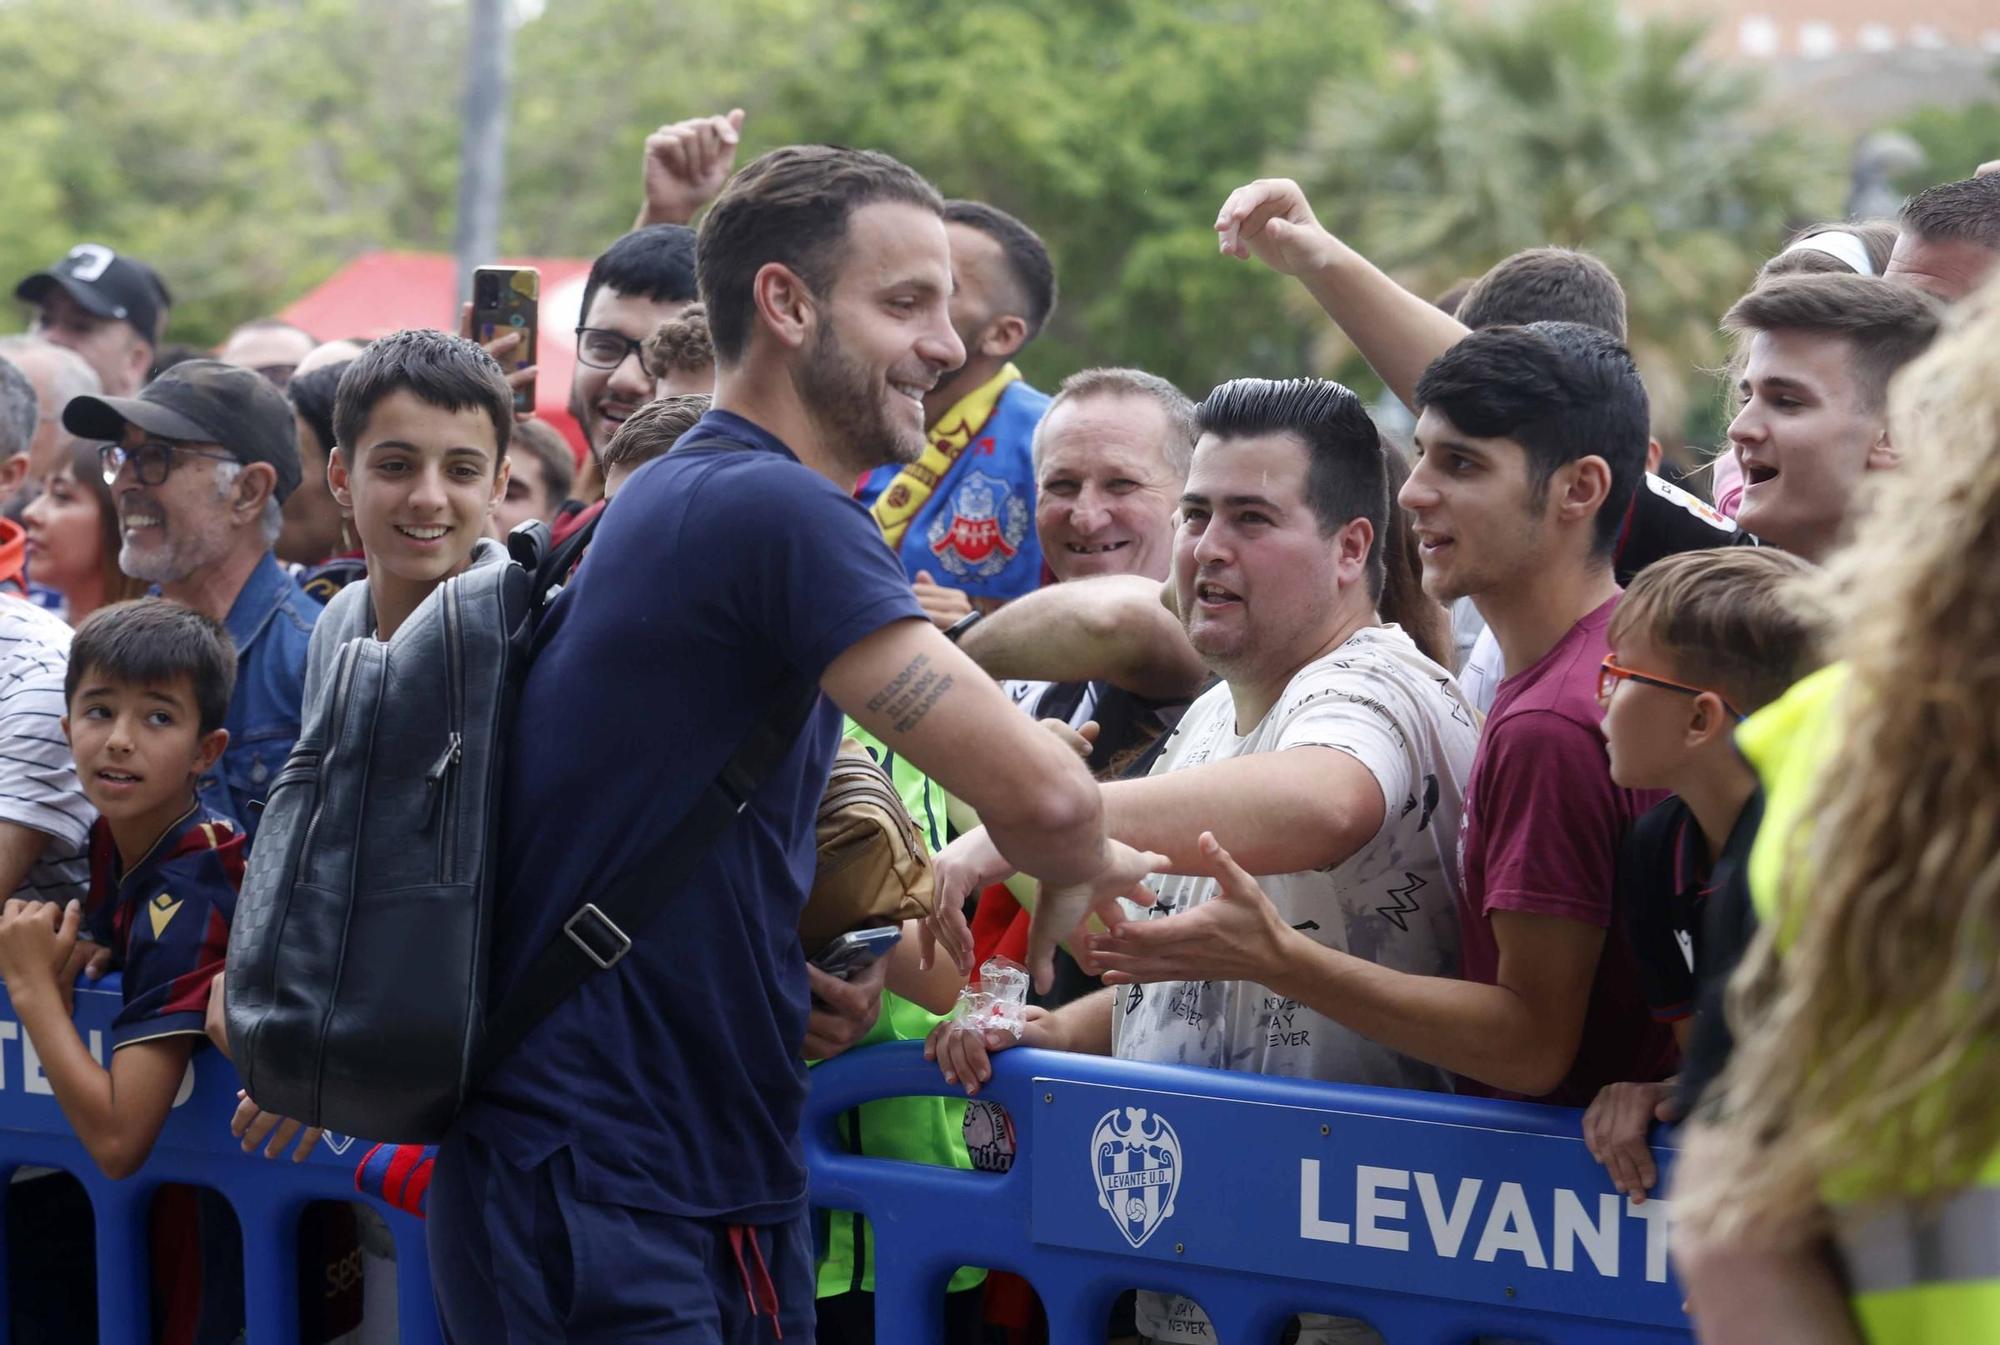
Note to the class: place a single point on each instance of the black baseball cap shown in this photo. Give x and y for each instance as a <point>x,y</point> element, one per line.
<point>206,402</point>
<point>107,284</point>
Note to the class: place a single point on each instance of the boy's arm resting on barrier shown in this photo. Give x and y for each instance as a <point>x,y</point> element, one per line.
<point>1113,627</point>
<point>116,1112</point>
<point>928,702</point>
<point>1519,1035</point>
<point>1397,332</point>
<point>963,1053</point>
<point>921,980</point>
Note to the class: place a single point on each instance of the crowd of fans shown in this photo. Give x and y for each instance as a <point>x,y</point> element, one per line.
<point>1493,764</point>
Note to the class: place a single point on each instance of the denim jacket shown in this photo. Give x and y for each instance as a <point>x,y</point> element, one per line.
<point>271,623</point>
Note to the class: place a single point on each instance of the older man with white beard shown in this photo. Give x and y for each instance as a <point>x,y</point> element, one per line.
<point>200,463</point>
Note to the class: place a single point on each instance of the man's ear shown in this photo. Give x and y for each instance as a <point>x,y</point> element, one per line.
<point>1653,454</point>
<point>254,485</point>
<point>784,303</point>
<point>13,472</point>
<point>336,479</point>
<point>1584,485</point>
<point>1003,336</point>
<point>1351,546</point>
<point>209,750</point>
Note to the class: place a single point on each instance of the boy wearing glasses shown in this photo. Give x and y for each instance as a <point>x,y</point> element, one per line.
<point>1701,640</point>
<point>200,464</point>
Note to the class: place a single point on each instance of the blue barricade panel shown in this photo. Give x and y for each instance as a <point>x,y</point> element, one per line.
<point>194,1147</point>
<point>1435,1218</point>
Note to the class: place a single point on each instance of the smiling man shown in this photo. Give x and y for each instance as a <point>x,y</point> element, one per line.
<point>200,465</point>
<point>960,516</point>
<point>827,279</point>
<point>1531,441</point>
<point>1819,353</point>
<point>1332,756</point>
<point>639,282</point>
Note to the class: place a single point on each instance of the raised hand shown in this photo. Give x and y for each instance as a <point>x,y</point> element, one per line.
<point>1271,220</point>
<point>686,164</point>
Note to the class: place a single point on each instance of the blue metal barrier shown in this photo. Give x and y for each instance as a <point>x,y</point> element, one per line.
<point>195,1147</point>
<point>1435,1218</point>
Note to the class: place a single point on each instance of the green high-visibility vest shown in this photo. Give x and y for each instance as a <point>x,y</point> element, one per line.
<point>1918,1272</point>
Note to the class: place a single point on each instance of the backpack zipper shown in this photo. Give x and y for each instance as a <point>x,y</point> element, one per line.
<point>442,773</point>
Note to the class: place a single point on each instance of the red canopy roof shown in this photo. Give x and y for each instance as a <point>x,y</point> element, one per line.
<point>383,292</point>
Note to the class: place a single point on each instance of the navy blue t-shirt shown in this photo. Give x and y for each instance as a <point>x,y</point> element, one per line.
<point>721,576</point>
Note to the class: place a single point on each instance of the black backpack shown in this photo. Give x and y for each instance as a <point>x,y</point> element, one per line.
<point>356,989</point>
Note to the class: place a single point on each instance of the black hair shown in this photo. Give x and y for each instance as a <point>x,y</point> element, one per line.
<point>1563,392</point>
<point>446,371</point>
<point>154,642</point>
<point>1546,285</point>
<point>656,263</point>
<point>790,206</point>
<point>1027,256</point>
<point>1965,211</point>
<point>1346,475</point>
<point>311,395</point>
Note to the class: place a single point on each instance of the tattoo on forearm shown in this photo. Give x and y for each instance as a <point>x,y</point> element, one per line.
<point>911,693</point>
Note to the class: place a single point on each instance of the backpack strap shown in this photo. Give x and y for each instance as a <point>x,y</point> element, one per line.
<point>600,932</point>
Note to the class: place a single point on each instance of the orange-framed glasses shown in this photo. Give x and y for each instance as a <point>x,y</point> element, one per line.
<point>1610,675</point>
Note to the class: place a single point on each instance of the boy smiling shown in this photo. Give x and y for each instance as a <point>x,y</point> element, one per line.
<point>421,421</point>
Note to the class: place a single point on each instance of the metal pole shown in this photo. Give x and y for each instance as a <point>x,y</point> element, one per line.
<point>482,159</point>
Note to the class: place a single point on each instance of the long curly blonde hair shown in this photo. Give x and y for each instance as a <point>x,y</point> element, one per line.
<point>1867,1043</point>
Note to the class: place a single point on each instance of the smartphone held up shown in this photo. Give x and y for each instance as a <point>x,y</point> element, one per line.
<point>506,300</point>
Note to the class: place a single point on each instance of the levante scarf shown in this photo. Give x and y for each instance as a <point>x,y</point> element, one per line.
<point>912,487</point>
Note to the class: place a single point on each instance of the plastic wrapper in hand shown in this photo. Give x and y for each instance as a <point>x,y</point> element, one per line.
<point>997,1001</point>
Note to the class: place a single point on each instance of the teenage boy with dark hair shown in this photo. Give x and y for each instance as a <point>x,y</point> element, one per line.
<point>147,688</point>
<point>1699,641</point>
<point>962,516</point>
<point>422,422</point>
<point>1950,238</point>
<point>1818,353</point>
<point>1531,442</point>
<point>827,278</point>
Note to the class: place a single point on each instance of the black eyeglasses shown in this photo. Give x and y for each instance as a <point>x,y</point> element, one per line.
<point>602,348</point>
<point>151,461</point>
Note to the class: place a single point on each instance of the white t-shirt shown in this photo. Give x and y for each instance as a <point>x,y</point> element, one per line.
<point>38,786</point>
<point>1483,672</point>
<point>1394,902</point>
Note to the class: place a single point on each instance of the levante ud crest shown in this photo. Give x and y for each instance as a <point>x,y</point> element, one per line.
<point>1136,1160</point>
<point>978,532</point>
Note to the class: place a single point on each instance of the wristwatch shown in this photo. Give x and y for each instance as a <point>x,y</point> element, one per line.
<point>957,629</point>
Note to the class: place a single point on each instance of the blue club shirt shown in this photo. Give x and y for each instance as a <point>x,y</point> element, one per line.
<point>271,624</point>
<point>721,576</point>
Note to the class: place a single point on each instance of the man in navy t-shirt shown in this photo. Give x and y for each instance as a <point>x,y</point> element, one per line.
<point>632,1170</point>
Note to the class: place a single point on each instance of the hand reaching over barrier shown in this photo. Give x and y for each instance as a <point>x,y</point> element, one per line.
<point>1238,936</point>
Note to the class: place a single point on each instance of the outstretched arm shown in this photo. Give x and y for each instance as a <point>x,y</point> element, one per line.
<point>1114,628</point>
<point>1397,332</point>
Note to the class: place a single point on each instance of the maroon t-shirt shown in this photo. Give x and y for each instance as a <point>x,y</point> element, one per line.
<point>1540,834</point>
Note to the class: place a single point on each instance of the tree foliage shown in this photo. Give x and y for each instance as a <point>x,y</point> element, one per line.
<point>1563,123</point>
